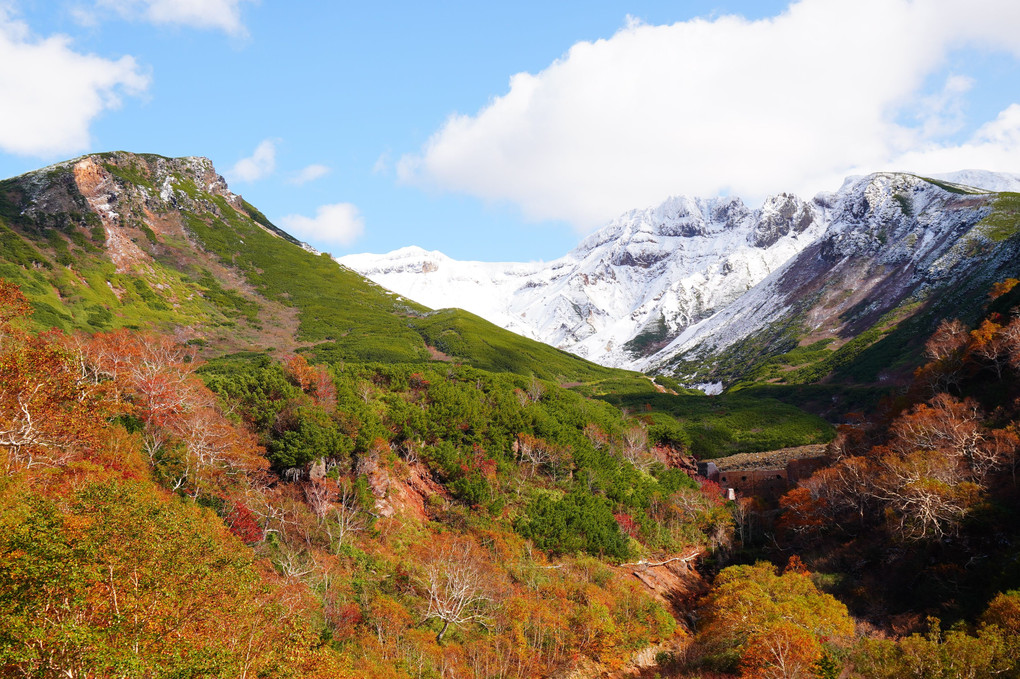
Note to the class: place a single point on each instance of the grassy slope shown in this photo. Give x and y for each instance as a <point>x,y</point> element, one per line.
<point>60,260</point>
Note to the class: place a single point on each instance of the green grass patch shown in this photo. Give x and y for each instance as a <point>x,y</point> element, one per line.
<point>1004,220</point>
<point>731,423</point>
<point>463,335</point>
<point>131,173</point>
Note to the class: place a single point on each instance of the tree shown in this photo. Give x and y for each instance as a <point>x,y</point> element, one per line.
<point>847,487</point>
<point>634,446</point>
<point>772,625</point>
<point>453,583</point>
<point>50,412</point>
<point>944,349</point>
<point>782,651</point>
<point>538,454</point>
<point>801,512</point>
<point>988,342</point>
<point>925,494</point>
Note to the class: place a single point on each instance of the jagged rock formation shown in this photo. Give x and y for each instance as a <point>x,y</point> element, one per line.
<point>893,242</point>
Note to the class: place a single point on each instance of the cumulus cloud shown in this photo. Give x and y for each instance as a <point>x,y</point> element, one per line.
<point>309,174</point>
<point>727,105</point>
<point>51,93</point>
<point>338,224</point>
<point>258,165</point>
<point>224,15</point>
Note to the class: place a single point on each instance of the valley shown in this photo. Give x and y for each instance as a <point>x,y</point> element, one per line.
<point>226,454</point>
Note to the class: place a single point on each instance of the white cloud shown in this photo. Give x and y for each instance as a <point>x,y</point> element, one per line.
<point>995,146</point>
<point>51,93</point>
<point>309,174</point>
<point>794,102</point>
<point>224,15</point>
<point>258,165</point>
<point>338,224</point>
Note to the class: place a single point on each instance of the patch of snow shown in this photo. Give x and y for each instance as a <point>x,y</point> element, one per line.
<point>709,388</point>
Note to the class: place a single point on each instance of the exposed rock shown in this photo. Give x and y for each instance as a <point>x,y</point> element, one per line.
<point>100,191</point>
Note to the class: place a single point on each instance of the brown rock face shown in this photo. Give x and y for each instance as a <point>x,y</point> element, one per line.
<point>100,192</point>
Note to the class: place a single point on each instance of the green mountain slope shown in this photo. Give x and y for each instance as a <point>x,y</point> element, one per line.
<point>143,241</point>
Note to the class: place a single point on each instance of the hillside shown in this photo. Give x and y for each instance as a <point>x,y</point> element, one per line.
<point>143,241</point>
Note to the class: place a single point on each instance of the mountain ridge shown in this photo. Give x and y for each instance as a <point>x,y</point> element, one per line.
<point>587,301</point>
<point>672,284</point>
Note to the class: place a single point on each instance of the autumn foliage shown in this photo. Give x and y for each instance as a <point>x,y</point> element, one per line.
<point>771,625</point>
<point>147,530</point>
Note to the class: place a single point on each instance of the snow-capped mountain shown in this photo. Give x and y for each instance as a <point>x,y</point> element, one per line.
<point>890,239</point>
<point>660,288</point>
<point>624,291</point>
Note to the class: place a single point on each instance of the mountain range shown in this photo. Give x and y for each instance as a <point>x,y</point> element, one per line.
<point>341,458</point>
<point>709,289</point>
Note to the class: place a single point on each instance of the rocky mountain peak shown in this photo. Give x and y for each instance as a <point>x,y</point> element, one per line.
<point>779,216</point>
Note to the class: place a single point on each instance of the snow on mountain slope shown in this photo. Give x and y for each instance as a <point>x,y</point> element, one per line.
<point>890,238</point>
<point>625,290</point>
<point>433,279</point>
<point>983,179</point>
<point>665,281</point>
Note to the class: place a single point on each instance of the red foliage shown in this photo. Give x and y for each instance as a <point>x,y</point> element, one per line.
<point>343,619</point>
<point>242,523</point>
<point>480,462</point>
<point>713,492</point>
<point>627,524</point>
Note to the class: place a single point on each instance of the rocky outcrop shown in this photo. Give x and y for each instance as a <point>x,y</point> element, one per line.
<point>96,185</point>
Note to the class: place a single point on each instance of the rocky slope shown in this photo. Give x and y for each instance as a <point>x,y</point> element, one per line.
<point>672,288</point>
<point>895,245</point>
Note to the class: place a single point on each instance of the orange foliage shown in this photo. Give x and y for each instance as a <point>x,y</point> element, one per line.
<point>801,512</point>
<point>783,651</point>
<point>50,412</point>
<point>1002,287</point>
<point>186,435</point>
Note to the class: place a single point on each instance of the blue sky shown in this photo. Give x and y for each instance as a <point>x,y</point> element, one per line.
<point>507,132</point>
